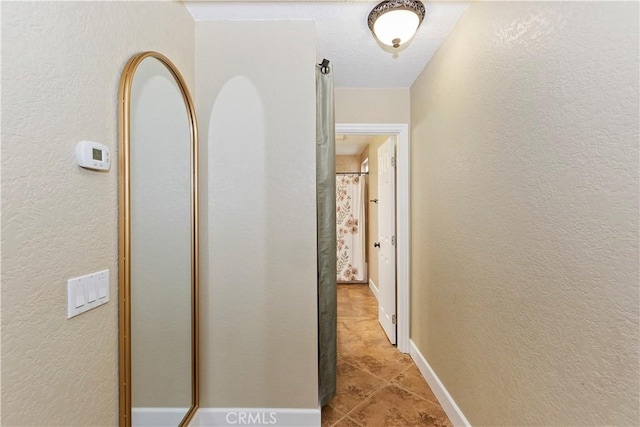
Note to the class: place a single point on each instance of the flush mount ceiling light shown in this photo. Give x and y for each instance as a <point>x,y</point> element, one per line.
<point>394,22</point>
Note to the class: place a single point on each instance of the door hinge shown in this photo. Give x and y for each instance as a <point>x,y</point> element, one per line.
<point>393,162</point>
<point>393,319</point>
<point>393,240</point>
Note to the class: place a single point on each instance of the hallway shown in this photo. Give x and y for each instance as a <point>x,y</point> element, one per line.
<point>377,385</point>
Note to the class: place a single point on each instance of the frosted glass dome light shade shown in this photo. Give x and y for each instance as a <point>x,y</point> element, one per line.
<point>396,27</point>
<point>395,22</point>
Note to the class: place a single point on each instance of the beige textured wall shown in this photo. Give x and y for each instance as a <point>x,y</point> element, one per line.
<point>61,65</point>
<point>259,265</point>
<point>348,163</point>
<point>372,105</point>
<point>524,195</point>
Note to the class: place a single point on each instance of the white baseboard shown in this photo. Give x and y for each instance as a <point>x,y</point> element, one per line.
<point>374,289</point>
<point>275,417</point>
<point>157,417</point>
<point>446,401</point>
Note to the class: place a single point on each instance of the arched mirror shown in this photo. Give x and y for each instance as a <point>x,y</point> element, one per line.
<point>158,243</point>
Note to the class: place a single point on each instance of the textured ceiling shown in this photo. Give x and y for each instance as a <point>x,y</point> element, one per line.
<point>349,145</point>
<point>343,36</point>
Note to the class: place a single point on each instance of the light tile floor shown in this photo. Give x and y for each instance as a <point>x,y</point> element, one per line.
<point>377,384</point>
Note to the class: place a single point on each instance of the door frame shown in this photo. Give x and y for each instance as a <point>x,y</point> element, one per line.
<point>401,131</point>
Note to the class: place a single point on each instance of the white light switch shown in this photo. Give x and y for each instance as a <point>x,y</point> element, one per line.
<point>79,294</point>
<point>87,292</point>
<point>90,290</point>
<point>103,284</point>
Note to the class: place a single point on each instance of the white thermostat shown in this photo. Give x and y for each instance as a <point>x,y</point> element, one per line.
<point>93,155</point>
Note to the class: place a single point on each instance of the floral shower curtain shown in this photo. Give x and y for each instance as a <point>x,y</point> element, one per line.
<point>350,228</point>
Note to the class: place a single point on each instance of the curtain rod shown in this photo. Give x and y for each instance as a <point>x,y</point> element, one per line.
<point>352,173</point>
<point>324,66</point>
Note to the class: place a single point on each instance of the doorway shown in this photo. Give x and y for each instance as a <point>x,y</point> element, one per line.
<point>400,132</point>
<point>351,213</point>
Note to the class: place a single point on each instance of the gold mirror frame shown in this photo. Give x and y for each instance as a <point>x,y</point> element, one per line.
<point>124,236</point>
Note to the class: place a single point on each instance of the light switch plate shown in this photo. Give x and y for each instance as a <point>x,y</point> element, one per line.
<point>87,292</point>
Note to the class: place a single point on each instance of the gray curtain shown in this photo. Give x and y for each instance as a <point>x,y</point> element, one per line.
<point>326,205</point>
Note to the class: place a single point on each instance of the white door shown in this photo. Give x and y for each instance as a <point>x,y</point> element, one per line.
<point>386,238</point>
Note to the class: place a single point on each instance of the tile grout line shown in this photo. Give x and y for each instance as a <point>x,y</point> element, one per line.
<point>374,392</point>
<point>366,371</point>
<point>339,419</point>
<point>416,394</point>
<point>347,416</point>
<point>370,395</point>
<point>366,399</point>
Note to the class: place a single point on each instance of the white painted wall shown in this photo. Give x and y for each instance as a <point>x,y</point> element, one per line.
<point>61,65</point>
<point>255,98</point>
<point>525,213</point>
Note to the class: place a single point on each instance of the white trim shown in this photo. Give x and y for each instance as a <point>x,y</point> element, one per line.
<point>157,417</point>
<point>401,131</point>
<point>237,417</point>
<point>364,166</point>
<point>446,401</point>
<point>374,288</point>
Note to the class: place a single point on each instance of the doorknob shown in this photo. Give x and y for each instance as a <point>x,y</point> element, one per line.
<point>376,245</point>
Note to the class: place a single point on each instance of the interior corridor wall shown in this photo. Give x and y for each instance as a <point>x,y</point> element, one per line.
<point>61,67</point>
<point>348,163</point>
<point>524,220</point>
<point>372,105</point>
<point>255,99</point>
